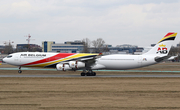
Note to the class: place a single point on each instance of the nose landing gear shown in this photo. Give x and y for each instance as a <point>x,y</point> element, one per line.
<point>20,71</point>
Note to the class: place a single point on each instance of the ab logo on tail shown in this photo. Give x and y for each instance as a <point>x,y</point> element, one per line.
<point>162,49</point>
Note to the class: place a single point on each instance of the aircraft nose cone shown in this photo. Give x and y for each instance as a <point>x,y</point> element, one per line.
<point>4,60</point>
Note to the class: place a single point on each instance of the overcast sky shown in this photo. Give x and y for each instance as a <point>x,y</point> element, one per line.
<point>135,22</point>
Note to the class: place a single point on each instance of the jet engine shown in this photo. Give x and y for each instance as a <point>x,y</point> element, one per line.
<point>63,67</point>
<point>76,64</point>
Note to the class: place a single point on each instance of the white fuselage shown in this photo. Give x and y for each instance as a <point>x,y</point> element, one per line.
<point>121,62</point>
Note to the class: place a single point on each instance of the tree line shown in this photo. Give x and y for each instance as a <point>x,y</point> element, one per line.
<point>98,45</point>
<point>174,52</point>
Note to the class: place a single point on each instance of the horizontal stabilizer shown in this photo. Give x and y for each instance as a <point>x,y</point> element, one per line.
<point>159,59</point>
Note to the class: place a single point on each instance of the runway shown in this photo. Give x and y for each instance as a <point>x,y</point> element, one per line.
<point>98,76</point>
<point>131,73</point>
<point>45,69</point>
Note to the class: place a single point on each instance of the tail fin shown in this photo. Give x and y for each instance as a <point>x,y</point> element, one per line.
<point>163,47</point>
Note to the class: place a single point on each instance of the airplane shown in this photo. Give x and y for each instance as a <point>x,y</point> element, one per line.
<point>89,62</point>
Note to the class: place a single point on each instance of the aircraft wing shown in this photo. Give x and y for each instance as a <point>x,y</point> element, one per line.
<point>89,61</point>
<point>78,63</point>
<point>85,59</point>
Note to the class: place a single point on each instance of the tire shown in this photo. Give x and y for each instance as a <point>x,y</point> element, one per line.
<point>19,71</point>
<point>82,74</point>
<point>94,74</point>
<point>87,74</point>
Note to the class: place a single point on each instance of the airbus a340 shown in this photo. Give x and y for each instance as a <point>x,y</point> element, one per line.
<point>89,62</point>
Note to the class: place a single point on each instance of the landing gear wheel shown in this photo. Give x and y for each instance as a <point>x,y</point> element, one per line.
<point>91,74</point>
<point>87,74</point>
<point>94,74</point>
<point>83,74</point>
<point>20,71</point>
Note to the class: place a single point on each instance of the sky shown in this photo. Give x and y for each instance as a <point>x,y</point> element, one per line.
<point>117,22</point>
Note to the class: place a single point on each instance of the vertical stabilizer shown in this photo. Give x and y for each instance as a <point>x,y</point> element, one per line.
<point>163,47</point>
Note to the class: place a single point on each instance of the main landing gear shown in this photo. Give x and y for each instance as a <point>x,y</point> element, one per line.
<point>20,71</point>
<point>89,73</point>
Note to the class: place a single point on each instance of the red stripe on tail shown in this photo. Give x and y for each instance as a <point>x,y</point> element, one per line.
<point>168,34</point>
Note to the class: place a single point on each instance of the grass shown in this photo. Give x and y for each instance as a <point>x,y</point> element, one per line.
<point>90,93</point>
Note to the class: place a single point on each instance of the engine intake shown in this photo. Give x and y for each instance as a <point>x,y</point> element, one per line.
<point>63,67</point>
<point>76,64</point>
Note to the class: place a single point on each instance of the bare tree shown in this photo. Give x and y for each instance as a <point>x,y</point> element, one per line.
<point>8,49</point>
<point>174,51</point>
<point>98,45</point>
<point>87,44</point>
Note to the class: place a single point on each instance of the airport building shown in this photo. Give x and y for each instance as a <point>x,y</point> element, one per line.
<point>120,49</point>
<point>125,48</point>
<point>46,46</point>
<point>2,56</point>
<point>28,47</point>
<point>77,47</point>
<point>1,48</point>
<point>66,47</point>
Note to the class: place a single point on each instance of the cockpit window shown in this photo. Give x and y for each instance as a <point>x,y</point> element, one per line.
<point>9,56</point>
